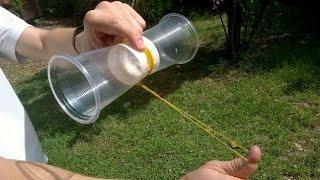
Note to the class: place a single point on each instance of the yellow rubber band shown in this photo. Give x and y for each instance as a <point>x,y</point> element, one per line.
<point>150,60</point>
<point>213,133</point>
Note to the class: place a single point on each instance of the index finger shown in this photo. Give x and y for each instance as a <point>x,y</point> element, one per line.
<point>117,26</point>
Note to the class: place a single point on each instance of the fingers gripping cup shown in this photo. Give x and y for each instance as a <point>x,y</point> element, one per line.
<point>85,84</point>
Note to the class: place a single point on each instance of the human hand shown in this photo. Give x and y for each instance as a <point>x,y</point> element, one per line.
<point>228,170</point>
<point>111,23</point>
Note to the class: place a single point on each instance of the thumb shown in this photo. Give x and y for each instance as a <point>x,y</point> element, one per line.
<point>241,168</point>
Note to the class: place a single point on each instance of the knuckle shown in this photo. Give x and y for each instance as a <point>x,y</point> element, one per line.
<point>212,163</point>
<point>134,34</point>
<point>205,171</point>
<point>117,3</point>
<point>138,33</point>
<point>140,30</point>
<point>143,24</point>
<point>127,5</point>
<point>104,4</point>
<point>118,19</point>
<point>90,15</point>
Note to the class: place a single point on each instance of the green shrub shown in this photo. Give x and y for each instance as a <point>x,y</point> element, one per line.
<point>65,8</point>
<point>16,6</point>
<point>151,10</point>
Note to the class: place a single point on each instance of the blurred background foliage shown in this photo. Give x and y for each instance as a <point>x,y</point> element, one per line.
<point>151,10</point>
<point>246,19</point>
<point>296,12</point>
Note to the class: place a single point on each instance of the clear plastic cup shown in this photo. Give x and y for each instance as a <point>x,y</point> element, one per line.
<point>175,38</point>
<point>85,84</point>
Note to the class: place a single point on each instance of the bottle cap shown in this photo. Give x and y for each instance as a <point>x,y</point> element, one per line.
<point>130,66</point>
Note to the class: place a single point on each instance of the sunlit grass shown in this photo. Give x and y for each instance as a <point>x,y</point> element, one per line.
<point>269,98</point>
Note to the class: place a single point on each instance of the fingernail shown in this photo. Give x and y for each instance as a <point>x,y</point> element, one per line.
<point>140,44</point>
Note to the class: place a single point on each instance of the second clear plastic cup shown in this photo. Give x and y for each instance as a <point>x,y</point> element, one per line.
<point>175,38</point>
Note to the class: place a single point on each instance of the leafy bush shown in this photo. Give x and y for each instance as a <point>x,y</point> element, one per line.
<point>16,6</point>
<point>151,10</point>
<point>65,8</point>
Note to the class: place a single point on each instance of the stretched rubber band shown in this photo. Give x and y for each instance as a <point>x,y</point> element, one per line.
<point>198,123</point>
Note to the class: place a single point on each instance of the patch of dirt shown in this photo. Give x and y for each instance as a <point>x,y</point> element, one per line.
<point>17,73</point>
<point>45,23</point>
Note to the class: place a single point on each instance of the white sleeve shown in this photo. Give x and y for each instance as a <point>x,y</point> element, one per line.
<point>11,28</point>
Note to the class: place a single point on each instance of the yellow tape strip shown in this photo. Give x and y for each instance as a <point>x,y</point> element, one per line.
<point>198,123</point>
<point>150,60</point>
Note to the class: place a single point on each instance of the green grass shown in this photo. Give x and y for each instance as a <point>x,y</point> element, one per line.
<point>269,98</point>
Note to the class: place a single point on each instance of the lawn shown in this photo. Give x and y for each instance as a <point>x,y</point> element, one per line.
<point>268,96</point>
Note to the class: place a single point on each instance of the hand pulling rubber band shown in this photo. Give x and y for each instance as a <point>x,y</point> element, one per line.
<point>213,133</point>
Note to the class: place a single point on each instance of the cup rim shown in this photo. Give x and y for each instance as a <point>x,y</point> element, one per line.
<point>72,60</point>
<point>192,28</point>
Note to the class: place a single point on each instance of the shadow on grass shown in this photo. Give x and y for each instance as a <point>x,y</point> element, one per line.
<point>302,55</point>
<point>50,120</point>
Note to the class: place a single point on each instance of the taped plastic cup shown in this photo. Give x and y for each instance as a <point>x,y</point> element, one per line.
<point>85,84</point>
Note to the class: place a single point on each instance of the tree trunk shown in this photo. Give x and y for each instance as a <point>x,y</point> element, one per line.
<point>5,3</point>
<point>235,19</point>
<point>30,10</point>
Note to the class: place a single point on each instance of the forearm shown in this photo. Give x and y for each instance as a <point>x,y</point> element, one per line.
<point>42,44</point>
<point>10,169</point>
